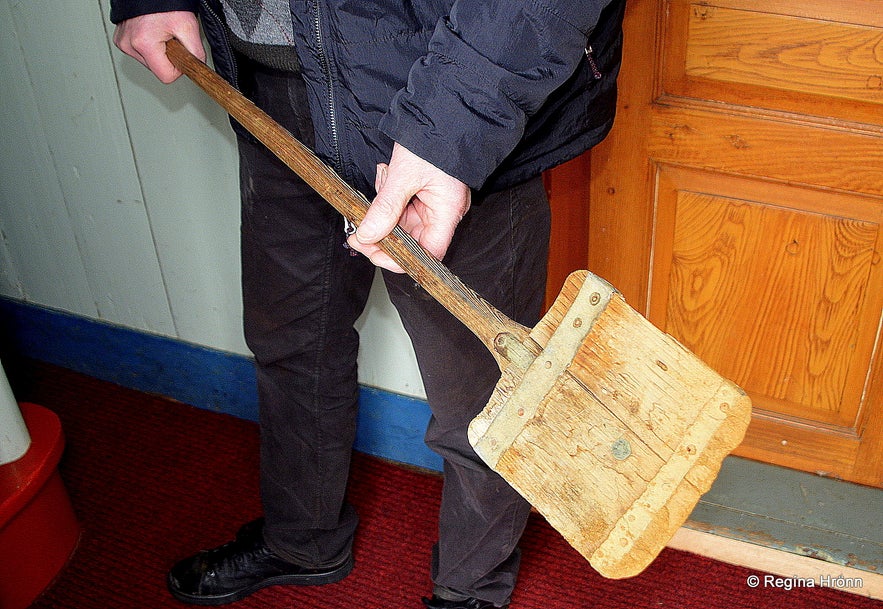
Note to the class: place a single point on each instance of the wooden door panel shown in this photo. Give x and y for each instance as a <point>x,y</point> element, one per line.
<point>738,203</point>
<point>779,291</point>
<point>798,446</point>
<point>775,61</point>
<point>769,148</point>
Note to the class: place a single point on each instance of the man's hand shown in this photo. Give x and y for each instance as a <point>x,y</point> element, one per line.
<point>424,200</point>
<point>145,37</point>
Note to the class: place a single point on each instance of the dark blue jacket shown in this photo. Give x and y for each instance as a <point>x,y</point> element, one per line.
<point>492,92</point>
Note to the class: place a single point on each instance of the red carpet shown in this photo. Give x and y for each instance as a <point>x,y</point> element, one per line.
<point>153,480</point>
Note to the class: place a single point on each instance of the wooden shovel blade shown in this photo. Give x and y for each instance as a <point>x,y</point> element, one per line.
<point>614,431</point>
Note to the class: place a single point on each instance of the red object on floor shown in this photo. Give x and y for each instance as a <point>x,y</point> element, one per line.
<point>38,529</point>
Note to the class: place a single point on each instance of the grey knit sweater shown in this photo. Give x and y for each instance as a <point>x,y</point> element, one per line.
<point>261,30</point>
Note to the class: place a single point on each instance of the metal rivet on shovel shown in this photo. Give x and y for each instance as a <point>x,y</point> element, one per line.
<point>603,378</point>
<point>621,449</point>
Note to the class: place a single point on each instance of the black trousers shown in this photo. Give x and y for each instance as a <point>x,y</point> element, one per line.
<point>303,291</point>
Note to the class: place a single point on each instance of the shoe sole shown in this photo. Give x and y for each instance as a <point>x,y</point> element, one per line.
<point>317,579</point>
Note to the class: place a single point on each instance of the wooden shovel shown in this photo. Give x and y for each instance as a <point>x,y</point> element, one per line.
<point>609,427</point>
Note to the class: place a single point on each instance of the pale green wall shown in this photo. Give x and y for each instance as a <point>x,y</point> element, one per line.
<point>118,194</point>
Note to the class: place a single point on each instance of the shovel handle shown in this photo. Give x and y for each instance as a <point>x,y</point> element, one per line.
<point>485,321</point>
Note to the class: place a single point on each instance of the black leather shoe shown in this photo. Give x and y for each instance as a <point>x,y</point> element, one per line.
<point>241,567</point>
<point>470,603</point>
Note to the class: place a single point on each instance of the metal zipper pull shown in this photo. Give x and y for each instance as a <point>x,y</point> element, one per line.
<point>349,228</point>
<point>593,65</point>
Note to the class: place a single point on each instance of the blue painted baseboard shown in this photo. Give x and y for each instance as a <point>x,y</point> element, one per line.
<point>390,425</point>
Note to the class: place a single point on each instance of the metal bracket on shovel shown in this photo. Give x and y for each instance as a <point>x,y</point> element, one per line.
<point>608,426</point>
<point>497,427</point>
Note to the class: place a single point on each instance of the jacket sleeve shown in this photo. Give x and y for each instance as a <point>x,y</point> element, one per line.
<point>120,10</point>
<point>490,65</point>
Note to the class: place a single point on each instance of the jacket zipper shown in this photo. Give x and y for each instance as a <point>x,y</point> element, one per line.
<point>219,23</point>
<point>593,65</point>
<point>329,87</point>
<point>349,228</point>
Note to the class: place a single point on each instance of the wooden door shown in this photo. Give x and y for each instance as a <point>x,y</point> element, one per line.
<point>738,203</point>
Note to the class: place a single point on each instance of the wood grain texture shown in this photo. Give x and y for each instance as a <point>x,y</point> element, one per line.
<point>739,196</point>
<point>621,216</point>
<point>625,440</point>
<point>807,275</point>
<point>813,57</point>
<point>772,149</point>
<point>776,60</point>
<point>781,290</point>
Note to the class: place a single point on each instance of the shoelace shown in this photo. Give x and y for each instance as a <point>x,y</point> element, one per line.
<point>230,560</point>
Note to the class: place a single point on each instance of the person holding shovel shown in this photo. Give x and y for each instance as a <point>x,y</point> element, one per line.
<point>445,113</point>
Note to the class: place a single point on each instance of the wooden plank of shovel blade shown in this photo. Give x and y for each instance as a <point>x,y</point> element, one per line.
<point>614,431</point>
<point>609,427</point>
